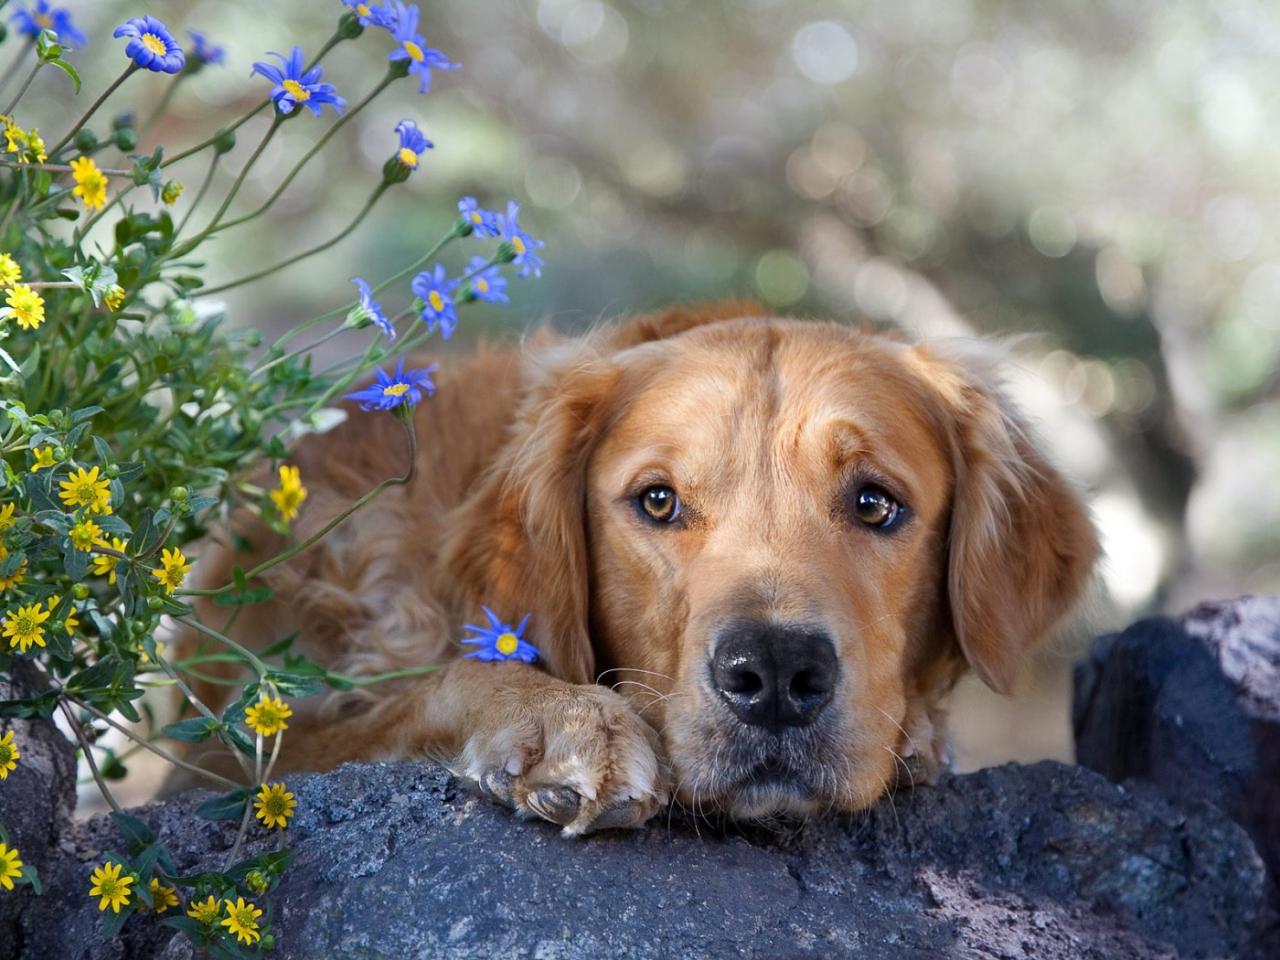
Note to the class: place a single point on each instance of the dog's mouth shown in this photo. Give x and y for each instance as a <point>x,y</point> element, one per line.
<point>767,788</point>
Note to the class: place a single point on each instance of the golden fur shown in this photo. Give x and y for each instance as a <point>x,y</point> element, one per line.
<point>524,500</point>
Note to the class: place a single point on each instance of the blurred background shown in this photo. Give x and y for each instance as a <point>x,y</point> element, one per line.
<point>1097,177</point>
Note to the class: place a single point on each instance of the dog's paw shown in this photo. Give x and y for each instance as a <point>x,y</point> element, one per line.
<point>578,756</point>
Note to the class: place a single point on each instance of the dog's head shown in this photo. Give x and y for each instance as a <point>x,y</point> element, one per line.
<point>783,540</point>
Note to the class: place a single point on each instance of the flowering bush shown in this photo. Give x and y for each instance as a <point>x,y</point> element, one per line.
<point>132,416</point>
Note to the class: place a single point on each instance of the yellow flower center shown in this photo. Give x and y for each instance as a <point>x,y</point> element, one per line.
<point>436,301</point>
<point>395,390</point>
<point>297,90</point>
<point>518,246</point>
<point>476,218</point>
<point>43,21</point>
<point>414,51</point>
<point>362,9</point>
<point>507,643</point>
<point>482,284</point>
<point>408,158</point>
<point>6,754</point>
<point>154,44</point>
<point>173,576</point>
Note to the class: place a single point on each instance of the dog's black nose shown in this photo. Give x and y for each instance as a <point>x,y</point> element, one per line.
<point>774,676</point>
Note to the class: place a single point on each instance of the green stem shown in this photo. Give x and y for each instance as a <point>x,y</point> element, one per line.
<point>296,353</point>
<point>161,105</point>
<point>318,248</point>
<point>129,71</point>
<point>260,667</point>
<point>23,89</point>
<point>225,130</point>
<point>235,187</point>
<point>316,148</point>
<point>12,69</point>
<point>200,194</point>
<point>87,749</point>
<point>311,540</point>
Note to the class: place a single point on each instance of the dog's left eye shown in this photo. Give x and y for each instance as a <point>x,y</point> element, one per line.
<point>659,503</point>
<point>874,507</point>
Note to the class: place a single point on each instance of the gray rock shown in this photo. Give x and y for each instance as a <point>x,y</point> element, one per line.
<point>398,861</point>
<point>1192,706</point>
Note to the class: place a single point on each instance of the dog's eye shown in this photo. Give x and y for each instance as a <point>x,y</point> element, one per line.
<point>875,508</point>
<point>660,503</point>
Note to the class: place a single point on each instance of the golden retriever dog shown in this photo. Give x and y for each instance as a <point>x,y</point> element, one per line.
<point>756,553</point>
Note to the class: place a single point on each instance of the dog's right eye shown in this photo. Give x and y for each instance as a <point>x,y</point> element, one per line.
<point>659,503</point>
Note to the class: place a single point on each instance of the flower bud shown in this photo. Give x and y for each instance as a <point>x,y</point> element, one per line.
<point>114,297</point>
<point>253,338</point>
<point>393,171</point>
<point>462,227</point>
<point>171,191</point>
<point>80,591</point>
<point>85,140</point>
<point>256,881</point>
<point>112,471</point>
<point>225,141</point>
<point>155,603</point>
<point>126,138</point>
<point>122,120</point>
<point>505,253</point>
<point>60,453</point>
<point>349,26</point>
<point>179,493</point>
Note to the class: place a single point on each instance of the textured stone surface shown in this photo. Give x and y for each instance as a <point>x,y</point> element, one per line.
<point>1192,706</point>
<point>395,861</point>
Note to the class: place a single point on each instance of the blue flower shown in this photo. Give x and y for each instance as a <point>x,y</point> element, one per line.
<point>436,293</point>
<point>519,244</point>
<point>390,391</point>
<point>151,45</point>
<point>372,310</point>
<point>489,284</point>
<point>498,641</point>
<point>484,223</point>
<point>370,14</point>
<point>46,17</point>
<point>412,46</point>
<point>203,52</point>
<point>294,86</point>
<point>413,144</point>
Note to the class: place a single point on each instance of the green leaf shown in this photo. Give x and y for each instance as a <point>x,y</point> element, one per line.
<point>88,413</point>
<point>111,766</point>
<point>111,926</point>
<point>137,835</point>
<point>32,876</point>
<point>68,69</point>
<point>226,806</point>
<point>193,730</point>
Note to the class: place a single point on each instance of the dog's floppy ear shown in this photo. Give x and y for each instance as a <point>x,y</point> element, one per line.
<point>518,541</point>
<point>1021,543</point>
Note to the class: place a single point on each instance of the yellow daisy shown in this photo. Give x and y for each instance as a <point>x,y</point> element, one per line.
<point>173,569</point>
<point>205,912</point>
<point>110,886</point>
<point>91,183</point>
<point>44,458</point>
<point>289,495</point>
<point>10,866</point>
<point>10,271</point>
<point>23,627</point>
<point>6,515</point>
<point>8,755</point>
<point>71,621</point>
<point>105,564</point>
<point>85,534</point>
<point>274,805</point>
<point>161,896</point>
<point>84,488</point>
<point>25,305</point>
<point>242,920</point>
<point>268,716</point>
<point>14,578</point>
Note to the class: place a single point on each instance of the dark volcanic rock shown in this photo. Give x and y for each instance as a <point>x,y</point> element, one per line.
<point>1192,706</point>
<point>396,861</point>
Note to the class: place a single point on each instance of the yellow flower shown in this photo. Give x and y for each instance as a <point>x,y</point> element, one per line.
<point>289,495</point>
<point>25,305</point>
<point>206,912</point>
<point>114,297</point>
<point>28,146</point>
<point>23,628</point>
<point>15,139</point>
<point>10,271</point>
<point>70,622</point>
<point>172,570</point>
<point>171,191</point>
<point>85,534</point>
<point>163,897</point>
<point>14,578</point>
<point>104,564</point>
<point>10,866</point>
<point>8,755</point>
<point>110,886</point>
<point>91,183</point>
<point>44,458</point>
<point>6,515</point>
<point>35,147</point>
<point>268,716</point>
<point>84,488</point>
<point>242,920</point>
<point>274,805</point>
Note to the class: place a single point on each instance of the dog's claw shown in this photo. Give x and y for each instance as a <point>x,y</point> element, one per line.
<point>557,804</point>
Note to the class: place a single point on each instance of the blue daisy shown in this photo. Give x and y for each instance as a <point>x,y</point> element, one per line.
<point>373,310</point>
<point>488,284</point>
<point>151,45</point>
<point>435,290</point>
<point>519,243</point>
<point>45,16</point>
<point>413,144</point>
<point>412,46</point>
<point>484,223</point>
<point>295,86</point>
<point>369,14</point>
<point>203,52</point>
<point>389,391</point>
<point>498,641</point>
